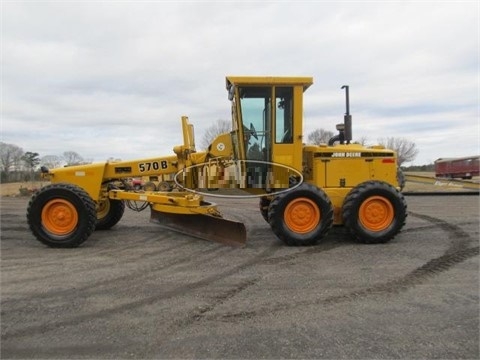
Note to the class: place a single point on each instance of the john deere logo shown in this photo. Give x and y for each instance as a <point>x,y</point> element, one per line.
<point>346,154</point>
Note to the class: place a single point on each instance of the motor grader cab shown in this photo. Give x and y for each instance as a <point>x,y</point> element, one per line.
<point>267,115</point>
<point>303,189</point>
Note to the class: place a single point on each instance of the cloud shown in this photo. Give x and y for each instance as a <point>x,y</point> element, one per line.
<point>112,79</point>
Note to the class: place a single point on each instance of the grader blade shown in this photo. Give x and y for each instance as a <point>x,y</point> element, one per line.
<point>205,227</point>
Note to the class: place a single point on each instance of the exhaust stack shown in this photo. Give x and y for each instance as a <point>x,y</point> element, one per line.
<point>347,119</point>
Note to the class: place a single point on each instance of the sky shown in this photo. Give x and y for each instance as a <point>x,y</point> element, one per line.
<point>111,79</point>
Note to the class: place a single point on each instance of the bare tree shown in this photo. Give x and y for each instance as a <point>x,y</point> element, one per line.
<point>31,161</point>
<point>10,158</point>
<point>72,158</point>
<point>406,150</point>
<point>362,140</point>
<point>219,127</point>
<point>52,161</point>
<point>319,136</point>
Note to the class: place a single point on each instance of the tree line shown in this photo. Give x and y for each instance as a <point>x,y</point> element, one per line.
<point>19,165</point>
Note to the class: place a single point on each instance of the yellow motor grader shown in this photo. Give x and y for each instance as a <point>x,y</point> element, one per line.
<point>303,190</point>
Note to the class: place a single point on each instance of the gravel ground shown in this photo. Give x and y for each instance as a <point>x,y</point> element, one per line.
<point>139,291</point>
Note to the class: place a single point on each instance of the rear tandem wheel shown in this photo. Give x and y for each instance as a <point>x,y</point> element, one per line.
<point>374,212</point>
<point>301,216</point>
<point>61,215</point>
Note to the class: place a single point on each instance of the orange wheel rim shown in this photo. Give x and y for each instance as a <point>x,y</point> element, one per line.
<point>59,217</point>
<point>376,213</point>
<point>302,215</point>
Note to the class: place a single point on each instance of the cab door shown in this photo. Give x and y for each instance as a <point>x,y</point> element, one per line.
<point>272,129</point>
<point>256,115</point>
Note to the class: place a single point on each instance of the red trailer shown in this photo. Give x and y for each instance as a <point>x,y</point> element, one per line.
<point>465,167</point>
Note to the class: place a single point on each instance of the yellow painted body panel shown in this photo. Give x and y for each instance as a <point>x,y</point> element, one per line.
<point>88,177</point>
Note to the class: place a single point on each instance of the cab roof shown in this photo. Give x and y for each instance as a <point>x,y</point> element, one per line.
<point>304,81</point>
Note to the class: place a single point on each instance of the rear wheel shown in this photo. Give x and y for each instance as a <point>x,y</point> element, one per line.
<point>374,212</point>
<point>301,216</point>
<point>61,215</point>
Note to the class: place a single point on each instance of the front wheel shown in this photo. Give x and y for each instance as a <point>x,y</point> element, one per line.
<point>109,213</point>
<point>374,212</point>
<point>61,215</point>
<point>301,216</point>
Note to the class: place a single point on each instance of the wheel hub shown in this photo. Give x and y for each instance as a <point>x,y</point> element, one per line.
<point>302,215</point>
<point>376,213</point>
<point>59,217</point>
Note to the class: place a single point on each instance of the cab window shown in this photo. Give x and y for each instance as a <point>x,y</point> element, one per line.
<point>284,115</point>
<point>256,114</point>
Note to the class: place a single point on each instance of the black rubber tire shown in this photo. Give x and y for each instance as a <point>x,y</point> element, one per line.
<point>388,228</point>
<point>70,197</point>
<point>263,206</point>
<point>304,193</point>
<point>111,215</point>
